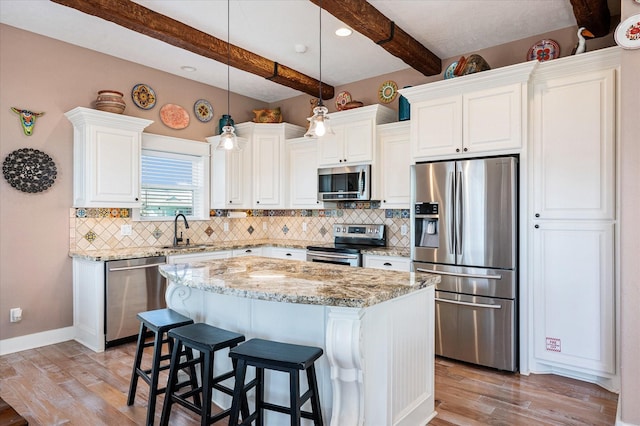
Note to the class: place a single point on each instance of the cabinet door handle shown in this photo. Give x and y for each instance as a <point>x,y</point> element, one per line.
<point>257,202</point>
<point>387,264</point>
<point>457,149</point>
<point>345,160</point>
<point>537,214</point>
<point>536,226</point>
<point>466,149</point>
<point>248,251</point>
<point>288,254</point>
<point>136,198</point>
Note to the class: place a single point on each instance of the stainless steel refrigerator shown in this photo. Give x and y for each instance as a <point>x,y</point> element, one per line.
<point>465,228</point>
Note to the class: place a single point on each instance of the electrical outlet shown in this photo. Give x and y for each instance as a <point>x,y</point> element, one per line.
<point>225,226</point>
<point>125,230</point>
<point>403,230</point>
<point>15,315</point>
<point>264,226</point>
<point>304,226</point>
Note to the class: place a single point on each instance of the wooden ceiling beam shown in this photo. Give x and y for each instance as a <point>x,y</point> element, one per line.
<point>594,15</point>
<point>145,21</point>
<point>370,22</point>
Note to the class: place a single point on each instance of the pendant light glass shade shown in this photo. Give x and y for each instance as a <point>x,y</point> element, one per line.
<point>319,122</point>
<point>228,140</point>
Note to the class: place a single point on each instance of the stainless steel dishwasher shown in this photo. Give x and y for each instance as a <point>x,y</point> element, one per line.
<point>132,286</point>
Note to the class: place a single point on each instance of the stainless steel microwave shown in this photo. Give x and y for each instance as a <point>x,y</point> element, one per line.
<point>349,183</point>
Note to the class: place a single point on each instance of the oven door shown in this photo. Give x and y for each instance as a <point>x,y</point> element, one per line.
<point>333,258</point>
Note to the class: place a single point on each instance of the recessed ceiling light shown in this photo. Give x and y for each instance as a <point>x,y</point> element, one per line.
<point>188,68</point>
<point>344,32</point>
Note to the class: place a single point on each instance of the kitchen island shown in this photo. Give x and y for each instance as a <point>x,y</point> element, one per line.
<point>376,328</point>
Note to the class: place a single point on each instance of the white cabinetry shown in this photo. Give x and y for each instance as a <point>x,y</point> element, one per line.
<point>285,253</point>
<point>88,303</point>
<point>391,263</point>
<point>106,158</point>
<point>231,175</point>
<point>302,173</point>
<point>471,115</point>
<point>268,152</point>
<point>572,218</point>
<point>355,135</point>
<point>394,173</point>
<point>199,257</point>
<point>251,251</point>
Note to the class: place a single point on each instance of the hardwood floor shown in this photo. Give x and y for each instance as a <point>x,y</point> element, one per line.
<point>67,383</point>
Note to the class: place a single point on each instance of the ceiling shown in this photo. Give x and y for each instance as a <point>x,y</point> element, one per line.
<point>273,28</point>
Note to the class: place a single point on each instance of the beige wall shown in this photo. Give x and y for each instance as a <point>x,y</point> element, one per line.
<point>42,74</point>
<point>630,231</point>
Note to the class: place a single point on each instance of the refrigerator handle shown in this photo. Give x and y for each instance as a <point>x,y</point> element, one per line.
<point>451,213</point>
<point>460,209</point>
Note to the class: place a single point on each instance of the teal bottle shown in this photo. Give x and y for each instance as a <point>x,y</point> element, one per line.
<point>223,122</point>
<point>404,108</point>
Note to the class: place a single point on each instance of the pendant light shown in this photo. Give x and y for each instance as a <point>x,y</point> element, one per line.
<point>228,140</point>
<point>319,122</point>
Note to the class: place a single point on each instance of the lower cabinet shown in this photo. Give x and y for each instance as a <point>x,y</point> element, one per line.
<point>285,253</point>
<point>392,263</point>
<point>199,257</point>
<point>88,303</point>
<point>574,300</point>
<point>251,251</point>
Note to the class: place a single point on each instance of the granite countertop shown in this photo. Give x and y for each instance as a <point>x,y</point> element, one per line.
<point>294,281</point>
<point>150,251</point>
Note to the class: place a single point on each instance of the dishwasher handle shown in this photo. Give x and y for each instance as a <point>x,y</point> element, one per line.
<point>129,268</point>
<point>460,274</point>
<point>476,305</point>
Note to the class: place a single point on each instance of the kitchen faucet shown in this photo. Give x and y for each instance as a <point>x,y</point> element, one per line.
<point>177,239</point>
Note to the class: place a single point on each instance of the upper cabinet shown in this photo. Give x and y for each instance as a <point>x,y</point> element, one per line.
<point>231,175</point>
<point>471,115</point>
<point>355,135</point>
<point>106,158</point>
<point>268,161</point>
<point>393,175</point>
<point>302,173</point>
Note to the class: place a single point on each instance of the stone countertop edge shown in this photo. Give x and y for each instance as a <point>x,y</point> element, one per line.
<point>150,251</point>
<point>292,281</point>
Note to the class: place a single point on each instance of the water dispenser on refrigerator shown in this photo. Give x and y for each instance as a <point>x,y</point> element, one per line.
<point>426,225</point>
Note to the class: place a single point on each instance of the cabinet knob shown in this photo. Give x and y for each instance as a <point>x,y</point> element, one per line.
<point>230,202</point>
<point>536,226</point>
<point>537,214</point>
<point>257,202</point>
<point>465,150</point>
<point>136,198</point>
<point>345,160</point>
<point>340,160</point>
<point>457,149</point>
<point>384,201</point>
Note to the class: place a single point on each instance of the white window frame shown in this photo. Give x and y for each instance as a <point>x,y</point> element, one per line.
<point>170,145</point>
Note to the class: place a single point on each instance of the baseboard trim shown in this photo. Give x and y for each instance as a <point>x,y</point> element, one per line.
<point>36,340</point>
<point>619,422</point>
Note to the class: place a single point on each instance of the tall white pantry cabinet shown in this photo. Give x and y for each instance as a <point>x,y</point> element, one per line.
<point>573,217</point>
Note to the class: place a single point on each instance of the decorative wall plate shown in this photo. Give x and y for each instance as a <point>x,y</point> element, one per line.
<point>627,34</point>
<point>544,50</point>
<point>29,170</point>
<point>143,96</point>
<point>448,73</point>
<point>203,110</point>
<point>342,99</point>
<point>387,91</point>
<point>174,116</point>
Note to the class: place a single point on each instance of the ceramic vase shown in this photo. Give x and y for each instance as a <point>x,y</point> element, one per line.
<point>110,101</point>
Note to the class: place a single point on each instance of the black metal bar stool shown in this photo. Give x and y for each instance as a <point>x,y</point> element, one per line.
<point>207,340</point>
<point>158,322</point>
<point>282,357</point>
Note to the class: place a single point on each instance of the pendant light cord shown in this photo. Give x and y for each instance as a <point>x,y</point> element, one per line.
<point>228,62</point>
<point>320,44</point>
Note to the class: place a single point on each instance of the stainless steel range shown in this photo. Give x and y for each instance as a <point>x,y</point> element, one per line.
<point>348,242</point>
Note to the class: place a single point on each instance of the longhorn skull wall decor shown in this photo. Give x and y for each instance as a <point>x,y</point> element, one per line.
<point>27,118</point>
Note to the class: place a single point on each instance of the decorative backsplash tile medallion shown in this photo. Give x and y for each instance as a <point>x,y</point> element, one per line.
<point>90,236</point>
<point>250,229</point>
<point>285,229</point>
<point>157,233</point>
<point>208,231</point>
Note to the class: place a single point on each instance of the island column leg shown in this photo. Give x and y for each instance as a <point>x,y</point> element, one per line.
<point>343,342</point>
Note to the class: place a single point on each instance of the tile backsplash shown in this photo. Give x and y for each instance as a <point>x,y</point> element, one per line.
<point>101,228</point>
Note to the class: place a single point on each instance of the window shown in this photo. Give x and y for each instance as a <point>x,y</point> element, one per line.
<point>173,182</point>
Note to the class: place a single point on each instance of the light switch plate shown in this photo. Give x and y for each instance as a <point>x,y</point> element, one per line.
<point>125,230</point>
<point>403,230</point>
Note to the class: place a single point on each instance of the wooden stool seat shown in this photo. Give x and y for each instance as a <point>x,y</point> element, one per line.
<point>289,358</point>
<point>207,340</point>
<point>157,322</point>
